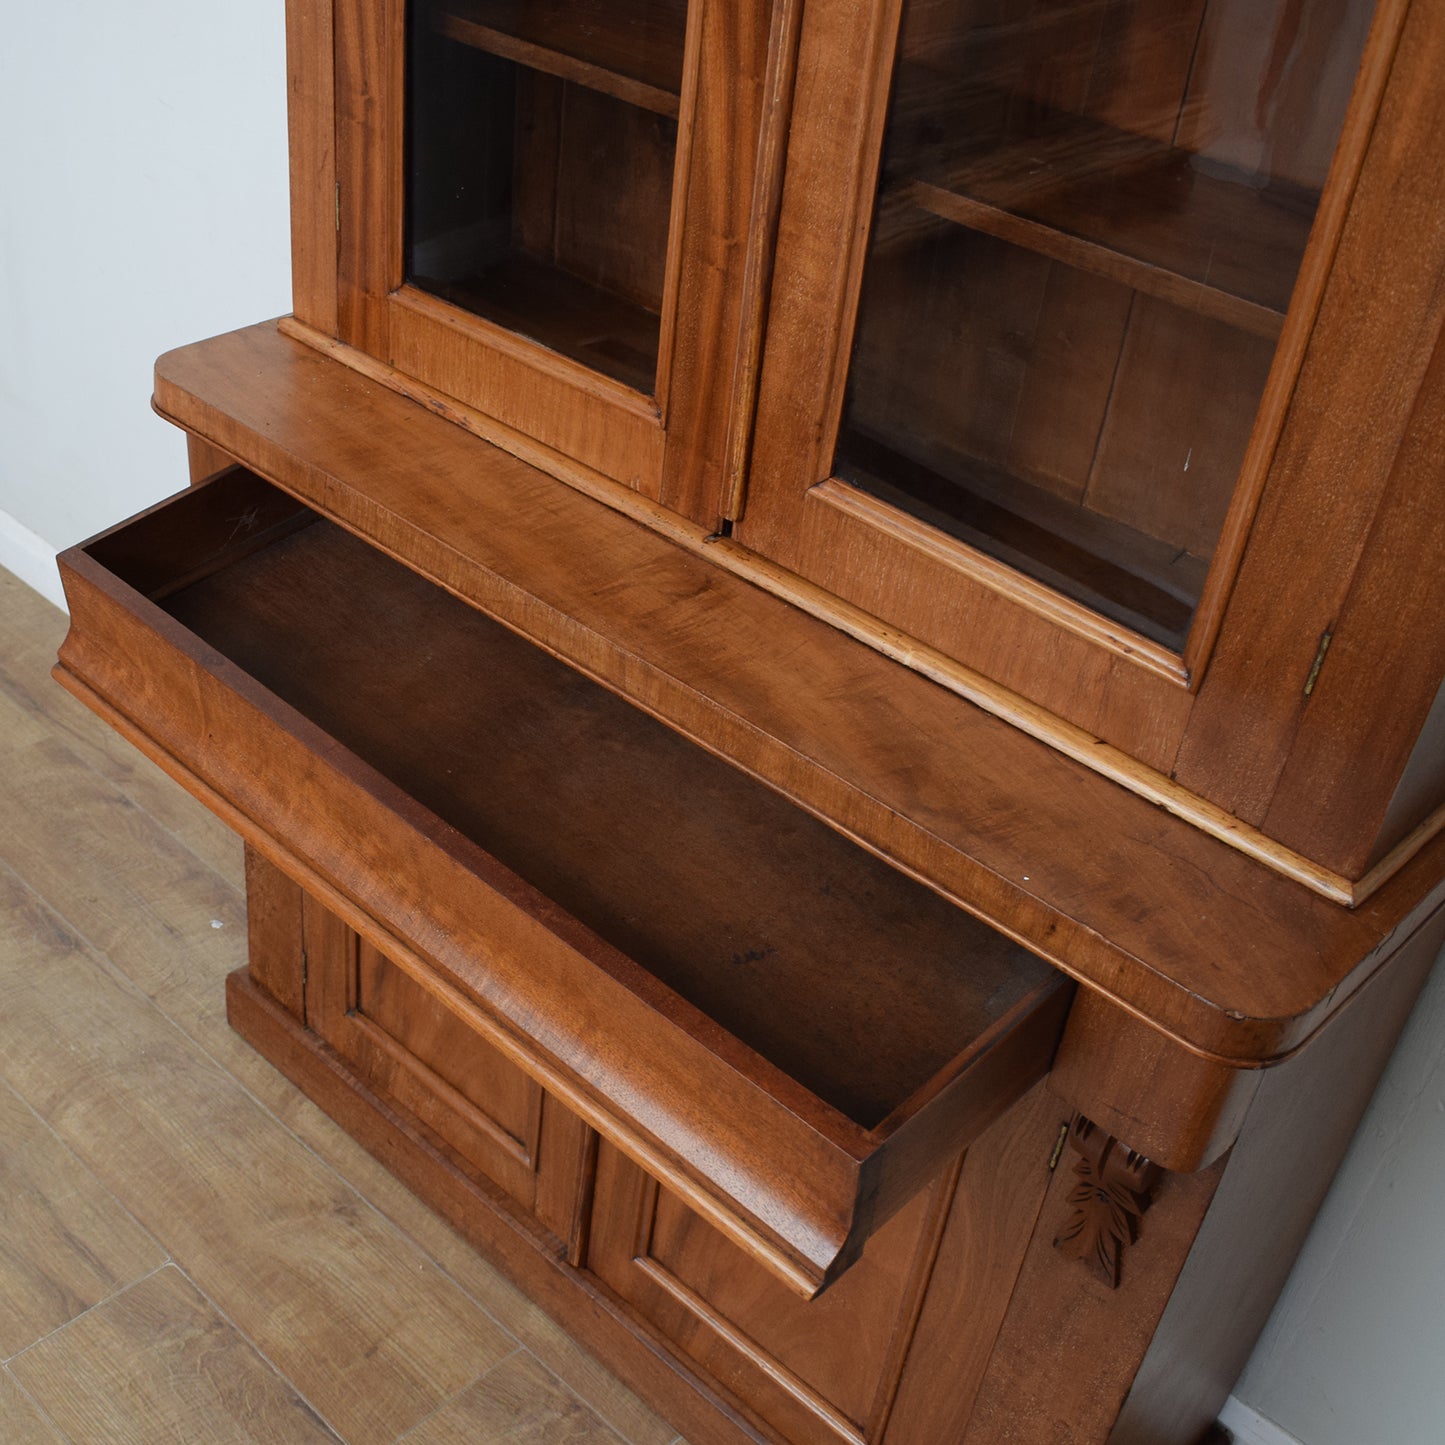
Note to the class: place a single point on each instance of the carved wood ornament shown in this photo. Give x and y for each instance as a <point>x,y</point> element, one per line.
<point>1113,1186</point>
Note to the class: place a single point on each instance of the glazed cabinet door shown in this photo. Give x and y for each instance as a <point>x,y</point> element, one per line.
<point>542,212</point>
<point>1061,264</point>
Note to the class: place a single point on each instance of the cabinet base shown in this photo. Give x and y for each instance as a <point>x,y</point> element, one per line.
<point>588,1311</point>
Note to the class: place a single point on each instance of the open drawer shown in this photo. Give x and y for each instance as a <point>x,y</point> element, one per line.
<point>791,1035</point>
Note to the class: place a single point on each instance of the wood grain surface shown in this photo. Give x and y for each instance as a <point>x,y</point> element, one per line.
<point>1225,955</point>
<point>158,1362</point>
<point>311,128</point>
<point>671,435</point>
<point>325,1290</point>
<point>68,1244</point>
<point>572,904</point>
<point>520,1402</point>
<point>635,54</point>
<point>556,899</point>
<point>23,1418</point>
<point>1261,434</point>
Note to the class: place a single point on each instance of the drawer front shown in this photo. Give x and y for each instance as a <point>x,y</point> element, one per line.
<point>697,969</point>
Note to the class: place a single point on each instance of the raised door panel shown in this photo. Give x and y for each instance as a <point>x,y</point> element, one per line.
<point>818,1372</point>
<point>421,1057</point>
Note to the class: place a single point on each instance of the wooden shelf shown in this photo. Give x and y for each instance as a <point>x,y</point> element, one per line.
<point>564,313</point>
<point>632,51</point>
<point>1106,564</point>
<point>1118,205</point>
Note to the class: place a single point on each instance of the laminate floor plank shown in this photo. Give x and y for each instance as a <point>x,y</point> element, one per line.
<point>21,1419</point>
<point>133,889</point>
<point>543,1337</point>
<point>31,630</point>
<point>119,878</point>
<point>120,868</point>
<point>158,1363</point>
<point>520,1403</point>
<point>66,1242</point>
<point>156,911</point>
<point>364,1325</point>
<point>159,912</point>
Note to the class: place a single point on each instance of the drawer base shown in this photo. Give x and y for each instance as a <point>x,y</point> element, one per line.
<point>1010,1332</point>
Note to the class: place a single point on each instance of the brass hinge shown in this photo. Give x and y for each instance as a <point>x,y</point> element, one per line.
<point>1059,1146</point>
<point>1319,662</point>
<point>338,208</point>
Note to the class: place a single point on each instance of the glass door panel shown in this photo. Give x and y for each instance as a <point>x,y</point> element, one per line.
<point>541,145</point>
<point>1089,222</point>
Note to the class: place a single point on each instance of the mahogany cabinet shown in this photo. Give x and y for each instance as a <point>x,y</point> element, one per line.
<point>822,630</point>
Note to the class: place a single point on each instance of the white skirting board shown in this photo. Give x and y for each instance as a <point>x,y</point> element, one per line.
<point>31,558</point>
<point>1249,1427</point>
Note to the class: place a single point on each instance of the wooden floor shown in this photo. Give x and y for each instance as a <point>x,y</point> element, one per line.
<point>183,1237</point>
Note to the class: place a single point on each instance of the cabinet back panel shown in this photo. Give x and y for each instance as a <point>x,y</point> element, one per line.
<point>535,201</point>
<point>1004,373</point>
<point>1270,83</point>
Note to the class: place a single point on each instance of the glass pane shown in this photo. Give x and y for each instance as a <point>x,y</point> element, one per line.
<point>541,140</point>
<point>1090,218</point>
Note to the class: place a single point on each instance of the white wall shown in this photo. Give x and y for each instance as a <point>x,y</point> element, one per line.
<point>143,205</point>
<point>1355,1351</point>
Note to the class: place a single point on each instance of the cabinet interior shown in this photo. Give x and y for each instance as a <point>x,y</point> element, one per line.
<point>853,980</point>
<point>1088,227</point>
<point>541,146</point>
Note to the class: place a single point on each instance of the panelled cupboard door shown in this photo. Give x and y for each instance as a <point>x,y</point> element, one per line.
<point>494,1120</point>
<point>1060,265</point>
<point>543,212</point>
<point>818,1372</point>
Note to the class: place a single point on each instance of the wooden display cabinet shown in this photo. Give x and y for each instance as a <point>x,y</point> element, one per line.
<point>821,630</point>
